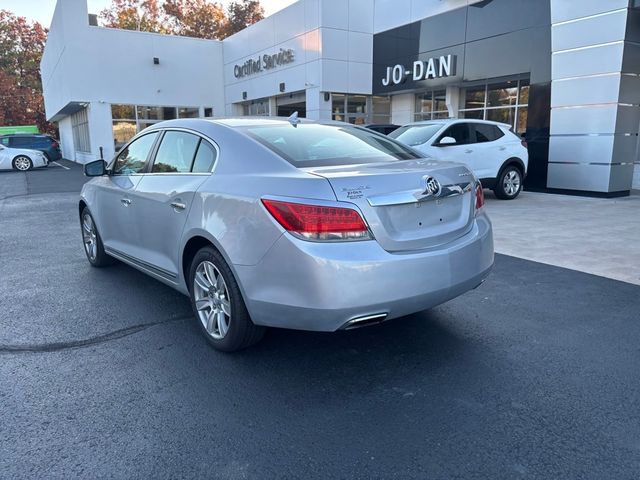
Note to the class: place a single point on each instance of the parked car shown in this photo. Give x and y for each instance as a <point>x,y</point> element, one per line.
<point>491,150</point>
<point>383,128</point>
<point>45,143</point>
<point>296,224</point>
<point>21,159</point>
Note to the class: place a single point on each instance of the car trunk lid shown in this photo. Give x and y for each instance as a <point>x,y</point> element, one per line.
<point>398,205</point>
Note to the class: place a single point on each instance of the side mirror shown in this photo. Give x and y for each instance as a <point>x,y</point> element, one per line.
<point>97,168</point>
<point>447,141</point>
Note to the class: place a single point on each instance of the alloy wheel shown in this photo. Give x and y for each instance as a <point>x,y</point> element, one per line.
<point>212,300</point>
<point>22,163</point>
<point>511,182</point>
<point>89,236</point>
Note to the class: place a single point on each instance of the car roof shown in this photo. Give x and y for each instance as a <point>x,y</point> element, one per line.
<point>240,122</point>
<point>43,135</point>
<point>449,121</point>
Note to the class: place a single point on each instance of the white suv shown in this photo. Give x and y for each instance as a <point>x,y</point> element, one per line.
<point>496,155</point>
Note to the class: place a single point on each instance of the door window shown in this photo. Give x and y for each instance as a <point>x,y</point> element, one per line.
<point>486,133</point>
<point>134,157</point>
<point>460,132</point>
<point>205,158</point>
<point>176,153</point>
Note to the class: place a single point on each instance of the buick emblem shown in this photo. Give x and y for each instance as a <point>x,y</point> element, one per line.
<point>432,186</point>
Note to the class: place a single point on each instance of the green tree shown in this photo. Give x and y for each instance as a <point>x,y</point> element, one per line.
<point>21,46</point>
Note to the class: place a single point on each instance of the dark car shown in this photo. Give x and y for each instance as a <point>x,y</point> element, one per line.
<point>34,141</point>
<point>384,128</point>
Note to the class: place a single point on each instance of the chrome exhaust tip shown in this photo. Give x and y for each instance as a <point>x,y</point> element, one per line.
<point>364,321</point>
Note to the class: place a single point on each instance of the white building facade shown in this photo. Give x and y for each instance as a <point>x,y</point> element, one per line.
<point>564,74</point>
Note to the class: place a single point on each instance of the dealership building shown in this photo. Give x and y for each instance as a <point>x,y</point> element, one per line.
<point>564,74</point>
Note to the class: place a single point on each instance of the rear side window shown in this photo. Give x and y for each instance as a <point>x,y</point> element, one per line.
<point>19,142</point>
<point>313,145</point>
<point>4,141</point>
<point>460,132</point>
<point>176,153</point>
<point>205,158</point>
<point>133,158</point>
<point>486,133</point>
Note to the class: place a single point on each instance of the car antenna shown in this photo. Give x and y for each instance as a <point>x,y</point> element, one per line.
<point>293,119</point>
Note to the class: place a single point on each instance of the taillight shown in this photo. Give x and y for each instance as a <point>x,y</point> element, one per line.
<point>318,222</point>
<point>524,143</point>
<point>479,198</point>
<point>55,144</point>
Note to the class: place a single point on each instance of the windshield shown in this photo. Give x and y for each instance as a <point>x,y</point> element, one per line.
<point>413,135</point>
<point>313,145</point>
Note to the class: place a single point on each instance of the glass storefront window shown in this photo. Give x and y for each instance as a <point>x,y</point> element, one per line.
<point>188,112</point>
<point>506,102</point>
<point>521,125</point>
<point>381,106</point>
<point>123,112</point>
<point>475,114</point>
<point>123,131</point>
<point>430,105</point>
<point>356,104</point>
<point>474,97</point>
<point>523,98</point>
<point>502,94</point>
<point>502,115</point>
<point>440,101</point>
<point>256,108</point>
<point>156,113</point>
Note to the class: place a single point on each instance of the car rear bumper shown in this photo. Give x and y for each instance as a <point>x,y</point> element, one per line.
<point>322,286</point>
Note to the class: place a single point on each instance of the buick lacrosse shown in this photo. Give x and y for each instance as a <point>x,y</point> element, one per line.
<point>268,222</point>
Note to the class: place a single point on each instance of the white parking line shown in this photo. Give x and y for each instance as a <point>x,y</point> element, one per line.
<point>56,163</point>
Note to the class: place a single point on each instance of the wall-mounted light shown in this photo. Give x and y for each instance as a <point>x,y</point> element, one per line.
<point>244,95</point>
<point>327,96</point>
<point>156,61</point>
<point>282,87</point>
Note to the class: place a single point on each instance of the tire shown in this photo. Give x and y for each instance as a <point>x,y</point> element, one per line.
<point>509,183</point>
<point>218,305</point>
<point>92,242</point>
<point>22,163</point>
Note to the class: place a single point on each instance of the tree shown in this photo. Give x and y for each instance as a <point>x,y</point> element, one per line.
<point>21,47</point>
<point>195,18</point>
<point>191,18</point>
<point>142,15</point>
<point>241,14</point>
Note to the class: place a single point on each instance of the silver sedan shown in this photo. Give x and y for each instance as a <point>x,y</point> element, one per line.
<point>287,223</point>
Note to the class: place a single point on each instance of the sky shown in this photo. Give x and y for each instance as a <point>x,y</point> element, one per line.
<point>42,10</point>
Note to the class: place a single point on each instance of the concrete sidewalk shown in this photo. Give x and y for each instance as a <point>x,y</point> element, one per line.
<point>593,235</point>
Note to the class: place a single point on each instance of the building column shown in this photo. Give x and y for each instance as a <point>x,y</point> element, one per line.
<point>402,108</point>
<point>100,132</point>
<point>317,107</point>
<point>595,114</point>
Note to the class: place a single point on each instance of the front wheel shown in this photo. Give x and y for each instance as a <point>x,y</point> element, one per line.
<point>22,163</point>
<point>93,247</point>
<point>509,183</point>
<point>218,305</point>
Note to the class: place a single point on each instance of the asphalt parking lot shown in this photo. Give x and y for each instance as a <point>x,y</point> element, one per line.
<point>103,373</point>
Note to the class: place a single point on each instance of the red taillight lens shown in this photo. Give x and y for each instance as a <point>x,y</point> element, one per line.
<point>317,222</point>
<point>479,198</point>
<point>55,144</point>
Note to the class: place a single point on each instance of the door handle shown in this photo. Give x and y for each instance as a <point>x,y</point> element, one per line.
<point>468,151</point>
<point>125,201</point>
<point>503,148</point>
<point>178,205</point>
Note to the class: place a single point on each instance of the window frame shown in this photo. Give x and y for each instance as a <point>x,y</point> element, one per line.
<point>154,151</point>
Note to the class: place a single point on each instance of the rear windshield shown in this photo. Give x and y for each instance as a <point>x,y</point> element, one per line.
<point>313,145</point>
<point>413,135</point>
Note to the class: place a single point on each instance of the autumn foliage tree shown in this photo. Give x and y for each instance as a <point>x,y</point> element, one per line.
<point>191,18</point>
<point>21,46</point>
